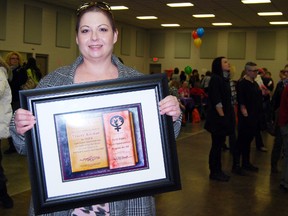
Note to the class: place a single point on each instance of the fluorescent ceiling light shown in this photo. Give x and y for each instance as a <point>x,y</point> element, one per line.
<point>255,1</point>
<point>146,17</point>
<point>222,24</point>
<point>203,15</point>
<point>270,13</point>
<point>279,23</point>
<point>170,25</point>
<point>119,8</point>
<point>183,4</point>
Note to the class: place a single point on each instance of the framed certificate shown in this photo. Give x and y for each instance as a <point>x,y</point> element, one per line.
<point>99,142</point>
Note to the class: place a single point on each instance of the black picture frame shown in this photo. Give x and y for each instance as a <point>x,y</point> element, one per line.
<point>159,174</point>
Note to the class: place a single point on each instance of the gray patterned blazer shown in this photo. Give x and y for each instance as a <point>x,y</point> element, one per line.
<point>142,206</point>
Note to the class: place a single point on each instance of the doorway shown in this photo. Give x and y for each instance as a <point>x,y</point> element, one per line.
<point>155,68</point>
<point>42,63</point>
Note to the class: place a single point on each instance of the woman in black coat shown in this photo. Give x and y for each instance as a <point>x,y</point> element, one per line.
<point>219,121</point>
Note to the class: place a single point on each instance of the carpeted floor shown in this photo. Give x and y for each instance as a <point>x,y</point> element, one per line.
<point>254,194</point>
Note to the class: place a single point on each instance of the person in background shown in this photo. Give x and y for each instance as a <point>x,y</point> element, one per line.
<point>232,137</point>
<point>176,75</point>
<point>260,79</point>
<point>96,35</point>
<point>173,90</point>
<point>32,70</point>
<point>186,100</point>
<point>283,124</point>
<point>184,90</point>
<point>267,79</point>
<point>183,77</point>
<point>198,91</point>
<point>275,104</point>
<point>200,99</point>
<point>17,79</point>
<point>269,84</point>
<point>194,77</point>
<point>5,117</point>
<point>202,77</point>
<point>205,81</point>
<point>219,115</point>
<point>250,113</point>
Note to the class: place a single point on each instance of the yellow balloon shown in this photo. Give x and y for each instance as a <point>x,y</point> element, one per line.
<point>197,42</point>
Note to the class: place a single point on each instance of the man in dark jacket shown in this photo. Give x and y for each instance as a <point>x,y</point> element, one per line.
<point>250,115</point>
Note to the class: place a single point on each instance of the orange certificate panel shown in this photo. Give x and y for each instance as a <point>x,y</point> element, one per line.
<point>86,142</point>
<point>120,139</point>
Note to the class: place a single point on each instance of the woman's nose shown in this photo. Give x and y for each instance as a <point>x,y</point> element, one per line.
<point>94,35</point>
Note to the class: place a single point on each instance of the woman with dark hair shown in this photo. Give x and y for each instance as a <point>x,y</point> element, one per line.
<point>219,121</point>
<point>194,78</point>
<point>35,71</point>
<point>96,35</point>
<point>33,74</point>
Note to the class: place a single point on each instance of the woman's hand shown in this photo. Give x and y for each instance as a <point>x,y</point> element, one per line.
<point>24,120</point>
<point>170,106</point>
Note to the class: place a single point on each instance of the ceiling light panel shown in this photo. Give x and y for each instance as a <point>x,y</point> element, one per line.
<point>119,8</point>
<point>146,17</point>
<point>183,4</point>
<point>270,13</point>
<point>279,23</point>
<point>170,25</point>
<point>203,15</point>
<point>221,24</point>
<point>255,1</point>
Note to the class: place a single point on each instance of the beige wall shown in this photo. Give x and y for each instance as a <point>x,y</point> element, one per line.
<point>63,56</point>
<point>15,30</point>
<point>169,62</point>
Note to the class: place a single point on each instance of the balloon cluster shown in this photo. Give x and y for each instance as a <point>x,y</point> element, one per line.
<point>197,35</point>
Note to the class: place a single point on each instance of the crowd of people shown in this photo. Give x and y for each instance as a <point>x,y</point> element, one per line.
<point>240,110</point>
<point>191,91</point>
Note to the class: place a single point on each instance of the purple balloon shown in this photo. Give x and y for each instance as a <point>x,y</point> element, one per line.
<point>200,32</point>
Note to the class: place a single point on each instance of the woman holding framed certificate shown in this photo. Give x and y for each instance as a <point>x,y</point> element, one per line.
<point>96,35</point>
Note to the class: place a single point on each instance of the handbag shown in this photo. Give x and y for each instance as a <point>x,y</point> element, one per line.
<point>31,83</point>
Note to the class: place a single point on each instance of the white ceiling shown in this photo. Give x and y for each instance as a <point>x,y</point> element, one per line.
<point>240,15</point>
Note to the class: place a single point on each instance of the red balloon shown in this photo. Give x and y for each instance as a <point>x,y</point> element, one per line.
<point>194,34</point>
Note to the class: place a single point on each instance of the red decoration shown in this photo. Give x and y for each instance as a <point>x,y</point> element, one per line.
<point>195,35</point>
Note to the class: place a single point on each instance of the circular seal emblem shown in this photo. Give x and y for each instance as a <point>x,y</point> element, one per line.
<point>116,122</point>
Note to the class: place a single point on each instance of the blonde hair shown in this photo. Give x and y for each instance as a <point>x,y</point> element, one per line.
<point>8,56</point>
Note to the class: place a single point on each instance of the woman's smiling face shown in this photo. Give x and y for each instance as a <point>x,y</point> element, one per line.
<point>95,37</point>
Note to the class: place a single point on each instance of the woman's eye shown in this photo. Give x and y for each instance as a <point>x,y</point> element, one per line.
<point>103,29</point>
<point>84,30</point>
